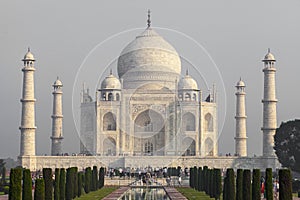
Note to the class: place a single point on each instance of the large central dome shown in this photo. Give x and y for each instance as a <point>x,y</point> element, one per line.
<point>149,58</point>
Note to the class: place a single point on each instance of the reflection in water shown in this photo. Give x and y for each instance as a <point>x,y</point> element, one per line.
<point>145,194</point>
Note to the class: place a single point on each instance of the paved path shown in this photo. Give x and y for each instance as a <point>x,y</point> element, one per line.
<point>4,197</point>
<point>174,194</point>
<point>117,193</point>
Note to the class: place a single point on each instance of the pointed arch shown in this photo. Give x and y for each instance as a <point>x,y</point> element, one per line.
<point>188,122</point>
<point>109,146</point>
<point>209,123</point>
<point>188,147</point>
<point>110,97</point>
<point>209,147</point>
<point>109,122</point>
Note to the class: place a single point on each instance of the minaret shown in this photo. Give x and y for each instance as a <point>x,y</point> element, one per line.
<point>57,119</point>
<point>27,128</point>
<point>240,118</point>
<point>269,105</point>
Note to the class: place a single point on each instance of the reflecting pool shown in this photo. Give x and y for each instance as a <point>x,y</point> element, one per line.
<point>145,194</point>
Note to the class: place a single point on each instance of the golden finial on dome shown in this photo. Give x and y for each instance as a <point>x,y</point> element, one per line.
<point>149,20</point>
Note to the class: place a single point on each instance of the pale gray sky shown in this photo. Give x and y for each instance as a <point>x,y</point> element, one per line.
<point>62,33</point>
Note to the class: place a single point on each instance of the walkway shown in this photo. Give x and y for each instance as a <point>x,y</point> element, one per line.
<point>117,193</point>
<point>174,194</point>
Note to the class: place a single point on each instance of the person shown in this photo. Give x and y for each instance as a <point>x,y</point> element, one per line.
<point>168,181</point>
<point>276,188</point>
<point>179,180</point>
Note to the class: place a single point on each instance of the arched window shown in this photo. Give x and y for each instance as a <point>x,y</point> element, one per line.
<point>187,97</point>
<point>103,96</point>
<point>109,122</point>
<point>117,97</point>
<point>148,147</point>
<point>188,122</point>
<point>188,147</point>
<point>194,97</point>
<point>110,97</point>
<point>209,123</point>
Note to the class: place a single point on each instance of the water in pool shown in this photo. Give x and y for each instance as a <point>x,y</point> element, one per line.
<point>145,194</point>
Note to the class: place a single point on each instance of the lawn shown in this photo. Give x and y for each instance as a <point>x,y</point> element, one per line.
<point>99,194</point>
<point>193,194</point>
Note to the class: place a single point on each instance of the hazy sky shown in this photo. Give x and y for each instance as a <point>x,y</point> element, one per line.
<point>61,34</point>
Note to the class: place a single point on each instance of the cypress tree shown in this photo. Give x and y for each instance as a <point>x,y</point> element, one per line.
<point>208,182</point>
<point>79,174</point>
<point>47,175</point>
<point>101,177</point>
<point>239,184</point>
<point>230,190</point>
<point>212,184</point>
<point>195,177</point>
<point>15,187</point>
<point>39,192</point>
<point>218,183</point>
<point>205,168</point>
<point>75,179</point>
<point>225,185</point>
<point>27,185</point>
<point>56,184</point>
<point>247,185</point>
<point>285,185</point>
<point>191,177</point>
<point>88,180</point>
<point>256,184</point>
<point>269,184</point>
<point>69,184</point>
<point>62,184</point>
<point>200,179</point>
<point>3,175</point>
<point>94,178</point>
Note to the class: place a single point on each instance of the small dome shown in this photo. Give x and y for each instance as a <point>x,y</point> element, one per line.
<point>187,83</point>
<point>111,82</point>
<point>29,56</point>
<point>240,83</point>
<point>269,56</point>
<point>57,83</point>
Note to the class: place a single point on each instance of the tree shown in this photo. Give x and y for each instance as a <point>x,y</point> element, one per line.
<point>56,184</point>
<point>27,185</point>
<point>218,183</point>
<point>230,189</point>
<point>247,185</point>
<point>69,184</point>
<point>287,144</point>
<point>39,192</point>
<point>88,180</point>
<point>47,175</point>
<point>79,174</point>
<point>3,171</point>
<point>94,178</point>
<point>101,177</point>
<point>269,184</point>
<point>62,184</point>
<point>239,184</point>
<point>15,187</point>
<point>256,184</point>
<point>75,179</point>
<point>285,184</point>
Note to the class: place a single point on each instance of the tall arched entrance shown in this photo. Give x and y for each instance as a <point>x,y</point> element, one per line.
<point>109,146</point>
<point>149,133</point>
<point>188,147</point>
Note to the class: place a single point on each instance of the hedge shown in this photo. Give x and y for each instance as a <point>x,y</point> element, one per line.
<point>27,185</point>
<point>39,192</point>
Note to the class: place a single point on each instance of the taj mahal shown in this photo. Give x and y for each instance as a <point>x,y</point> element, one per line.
<point>150,113</point>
